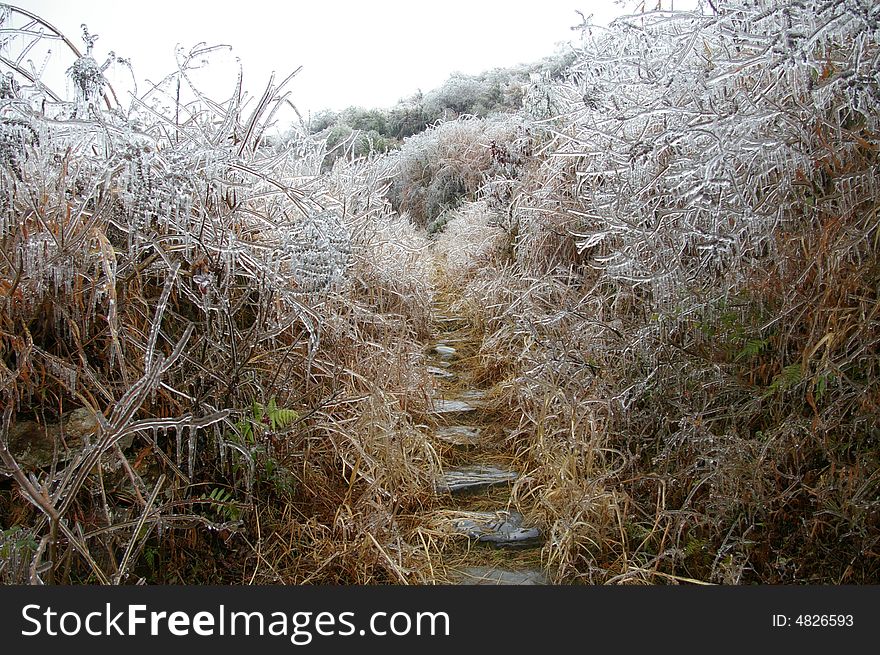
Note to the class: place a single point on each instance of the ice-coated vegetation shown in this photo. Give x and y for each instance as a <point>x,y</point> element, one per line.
<point>686,309</point>
<point>664,241</point>
<point>196,287</point>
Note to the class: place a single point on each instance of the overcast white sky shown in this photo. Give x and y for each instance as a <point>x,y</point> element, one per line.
<point>369,53</point>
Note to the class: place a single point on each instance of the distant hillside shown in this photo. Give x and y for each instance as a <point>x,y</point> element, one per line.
<point>359,131</point>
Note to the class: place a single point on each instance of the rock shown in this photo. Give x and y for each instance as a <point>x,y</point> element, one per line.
<point>441,373</point>
<point>34,445</point>
<point>500,529</point>
<point>485,575</point>
<point>471,478</point>
<point>445,352</point>
<point>79,423</point>
<point>459,435</point>
<point>452,407</point>
<point>473,396</point>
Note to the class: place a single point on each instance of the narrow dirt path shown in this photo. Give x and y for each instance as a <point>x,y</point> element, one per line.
<point>487,540</point>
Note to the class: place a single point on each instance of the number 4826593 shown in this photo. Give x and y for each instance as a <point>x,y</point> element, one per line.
<point>824,620</point>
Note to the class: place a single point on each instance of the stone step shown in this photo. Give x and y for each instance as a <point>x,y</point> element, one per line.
<point>472,396</point>
<point>458,435</point>
<point>449,340</point>
<point>501,529</point>
<point>444,351</point>
<point>441,406</point>
<point>487,575</point>
<point>472,478</point>
<point>441,373</point>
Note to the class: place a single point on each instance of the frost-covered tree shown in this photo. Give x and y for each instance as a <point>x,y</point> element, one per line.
<point>695,271</point>
<point>172,276</point>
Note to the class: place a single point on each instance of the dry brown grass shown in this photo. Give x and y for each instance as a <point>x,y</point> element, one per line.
<point>689,411</point>
<point>248,324</point>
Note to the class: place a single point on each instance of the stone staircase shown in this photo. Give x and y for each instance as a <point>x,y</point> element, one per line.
<point>476,488</point>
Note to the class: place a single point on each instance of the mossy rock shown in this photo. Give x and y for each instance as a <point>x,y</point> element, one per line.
<point>35,446</point>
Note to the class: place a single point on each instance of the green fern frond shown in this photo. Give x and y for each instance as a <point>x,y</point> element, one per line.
<point>789,377</point>
<point>752,348</point>
<point>270,414</point>
<point>222,503</point>
<point>280,417</point>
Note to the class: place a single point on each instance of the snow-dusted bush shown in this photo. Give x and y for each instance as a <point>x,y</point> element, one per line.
<point>453,161</point>
<point>191,283</point>
<point>696,252</point>
<point>389,265</point>
<point>472,239</point>
<point>687,139</point>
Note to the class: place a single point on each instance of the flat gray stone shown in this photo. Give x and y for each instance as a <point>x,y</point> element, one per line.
<point>444,351</point>
<point>34,445</point>
<point>452,407</point>
<point>441,373</point>
<point>448,340</point>
<point>500,529</point>
<point>460,435</point>
<point>486,575</point>
<point>473,395</point>
<point>471,478</point>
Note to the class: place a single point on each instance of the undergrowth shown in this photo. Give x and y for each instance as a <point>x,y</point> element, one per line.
<point>683,307</point>
<point>211,337</point>
<point>193,291</point>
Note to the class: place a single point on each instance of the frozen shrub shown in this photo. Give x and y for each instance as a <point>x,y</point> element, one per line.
<point>694,262</point>
<point>471,239</point>
<point>196,287</point>
<point>452,162</point>
<point>389,264</point>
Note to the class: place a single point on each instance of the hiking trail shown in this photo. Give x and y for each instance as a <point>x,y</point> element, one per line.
<point>491,541</point>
